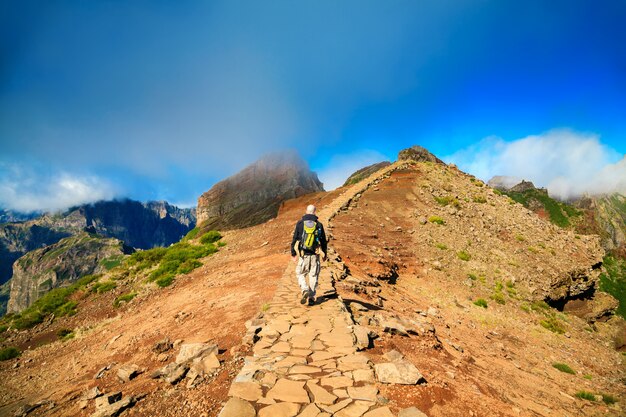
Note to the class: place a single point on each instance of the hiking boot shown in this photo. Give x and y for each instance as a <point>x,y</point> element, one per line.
<point>305,295</point>
<point>311,300</point>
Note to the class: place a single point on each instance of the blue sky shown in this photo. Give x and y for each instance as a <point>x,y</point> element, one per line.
<point>159,100</point>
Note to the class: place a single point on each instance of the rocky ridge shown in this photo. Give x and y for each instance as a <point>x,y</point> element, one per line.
<point>254,195</point>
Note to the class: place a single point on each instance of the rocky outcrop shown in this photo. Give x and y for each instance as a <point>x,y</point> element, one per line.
<point>254,195</point>
<point>365,172</point>
<point>59,264</point>
<point>605,215</point>
<point>418,154</point>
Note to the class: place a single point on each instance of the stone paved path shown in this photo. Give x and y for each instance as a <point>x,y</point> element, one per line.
<point>306,361</point>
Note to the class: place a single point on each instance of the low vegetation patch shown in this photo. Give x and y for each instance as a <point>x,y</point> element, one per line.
<point>608,399</point>
<point>563,367</point>
<point>124,298</point>
<point>112,261</point>
<point>479,199</point>
<point>441,246</point>
<point>179,258</point>
<point>585,395</point>
<point>553,324</point>
<point>65,334</point>
<point>9,353</point>
<point>102,287</point>
<point>463,255</point>
<point>613,281</point>
<point>436,220</point>
<point>559,213</point>
<point>444,201</point>
<point>481,302</point>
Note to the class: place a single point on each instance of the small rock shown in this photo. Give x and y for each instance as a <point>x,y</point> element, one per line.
<point>113,410</point>
<point>90,394</point>
<point>433,312</point>
<point>362,337</point>
<point>354,306</point>
<point>162,346</point>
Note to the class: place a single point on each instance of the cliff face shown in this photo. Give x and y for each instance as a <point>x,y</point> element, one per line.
<point>253,195</point>
<point>59,264</point>
<point>140,225</point>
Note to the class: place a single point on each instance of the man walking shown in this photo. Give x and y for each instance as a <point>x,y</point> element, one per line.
<point>309,240</point>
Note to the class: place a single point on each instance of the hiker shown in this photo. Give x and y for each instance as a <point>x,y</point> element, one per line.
<point>308,243</point>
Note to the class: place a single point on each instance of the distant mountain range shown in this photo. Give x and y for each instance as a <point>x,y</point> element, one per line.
<point>137,225</point>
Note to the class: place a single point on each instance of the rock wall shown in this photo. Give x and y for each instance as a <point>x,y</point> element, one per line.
<point>41,270</point>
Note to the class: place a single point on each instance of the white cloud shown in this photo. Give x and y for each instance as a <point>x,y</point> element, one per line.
<point>566,162</point>
<point>340,167</point>
<point>26,190</point>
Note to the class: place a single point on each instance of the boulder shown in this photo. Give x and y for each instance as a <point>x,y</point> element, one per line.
<point>190,351</point>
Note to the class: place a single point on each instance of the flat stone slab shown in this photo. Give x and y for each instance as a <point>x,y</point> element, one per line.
<point>379,412</point>
<point>304,369</point>
<point>310,410</point>
<point>280,410</point>
<point>353,410</point>
<point>320,395</point>
<point>282,347</point>
<point>366,393</point>
<point>337,382</point>
<point>289,391</point>
<point>249,391</point>
<point>236,407</point>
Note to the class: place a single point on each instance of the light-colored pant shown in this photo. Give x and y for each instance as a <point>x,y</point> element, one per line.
<point>308,264</point>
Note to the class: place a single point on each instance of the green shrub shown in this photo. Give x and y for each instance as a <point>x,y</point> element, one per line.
<point>498,297</point>
<point>188,266</point>
<point>533,249</point>
<point>473,277</point>
<point>211,236</point>
<point>585,395</point>
<point>436,219</point>
<point>563,367</point>
<point>102,287</point>
<point>165,280</point>
<point>464,256</point>
<point>479,199</point>
<point>124,298</point>
<point>520,238</point>
<point>65,334</point>
<point>587,376</point>
<point>441,246</point>
<point>9,353</point>
<point>497,192</point>
<point>553,324</point>
<point>608,399</point>
<point>265,307</point>
<point>481,302</point>
<point>191,234</point>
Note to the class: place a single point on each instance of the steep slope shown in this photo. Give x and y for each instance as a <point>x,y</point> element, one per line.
<point>60,264</point>
<point>363,173</point>
<point>254,195</point>
<point>606,216</point>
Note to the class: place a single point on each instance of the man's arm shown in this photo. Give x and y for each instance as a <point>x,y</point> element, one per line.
<point>296,237</point>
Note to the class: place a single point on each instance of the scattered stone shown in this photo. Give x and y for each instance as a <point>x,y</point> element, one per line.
<point>236,407</point>
<point>108,399</point>
<point>127,372</point>
<point>191,351</point>
<point>113,410</point>
<point>90,394</point>
<point>393,326</point>
<point>411,412</point>
<point>362,337</point>
<point>433,312</point>
<point>162,346</point>
<point>399,372</point>
<point>206,364</point>
<point>393,355</point>
<point>103,371</point>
